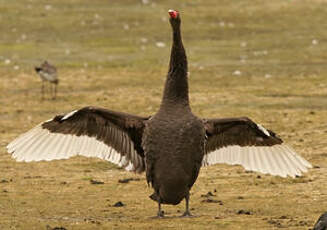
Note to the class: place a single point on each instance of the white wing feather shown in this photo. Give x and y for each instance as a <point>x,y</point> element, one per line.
<point>39,144</point>
<point>278,160</point>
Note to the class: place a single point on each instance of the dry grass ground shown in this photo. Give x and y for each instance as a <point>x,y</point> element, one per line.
<point>107,54</point>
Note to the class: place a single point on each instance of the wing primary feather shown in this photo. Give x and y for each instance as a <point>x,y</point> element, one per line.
<point>56,142</point>
<point>252,163</point>
<point>245,158</point>
<point>110,155</point>
<point>292,162</point>
<point>291,171</point>
<point>68,149</point>
<point>40,153</point>
<point>50,145</point>
<point>272,161</point>
<point>227,155</point>
<point>61,150</point>
<point>21,140</point>
<point>129,155</point>
<point>304,162</point>
<point>279,161</point>
<point>83,142</point>
<point>114,137</point>
<point>296,161</point>
<point>101,147</point>
<point>284,162</point>
<point>236,154</point>
<point>105,148</point>
<point>105,153</point>
<point>37,152</point>
<point>122,146</point>
<point>88,146</point>
<point>22,151</point>
<point>24,140</point>
<point>264,161</point>
<point>78,143</point>
<point>256,160</point>
<point>220,156</point>
<point>85,146</point>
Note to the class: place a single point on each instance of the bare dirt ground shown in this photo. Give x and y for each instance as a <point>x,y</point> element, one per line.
<point>247,58</point>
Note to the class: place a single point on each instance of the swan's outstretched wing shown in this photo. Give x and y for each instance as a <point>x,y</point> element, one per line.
<point>241,141</point>
<point>91,132</point>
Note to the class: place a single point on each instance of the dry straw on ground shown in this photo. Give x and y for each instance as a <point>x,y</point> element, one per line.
<point>110,66</point>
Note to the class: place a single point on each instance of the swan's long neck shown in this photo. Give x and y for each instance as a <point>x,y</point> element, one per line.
<point>176,86</point>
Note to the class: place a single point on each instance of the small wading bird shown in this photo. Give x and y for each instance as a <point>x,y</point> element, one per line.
<point>48,73</point>
<point>171,146</point>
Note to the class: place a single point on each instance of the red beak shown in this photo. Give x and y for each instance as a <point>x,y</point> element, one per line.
<point>173,13</point>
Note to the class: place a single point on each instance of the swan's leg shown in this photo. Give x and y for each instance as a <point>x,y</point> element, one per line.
<point>160,212</point>
<point>187,212</point>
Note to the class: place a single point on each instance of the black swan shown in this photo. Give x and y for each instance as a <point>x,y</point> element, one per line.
<point>171,146</point>
<point>48,73</point>
<point>321,222</point>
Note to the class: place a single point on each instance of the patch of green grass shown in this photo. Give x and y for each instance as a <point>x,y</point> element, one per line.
<point>87,178</point>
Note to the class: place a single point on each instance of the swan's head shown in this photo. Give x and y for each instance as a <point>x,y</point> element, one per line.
<point>173,14</point>
<point>174,18</point>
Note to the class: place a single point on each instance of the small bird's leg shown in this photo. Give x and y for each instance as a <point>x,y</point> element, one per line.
<point>42,89</point>
<point>46,89</point>
<point>55,91</point>
<point>187,212</point>
<point>51,90</point>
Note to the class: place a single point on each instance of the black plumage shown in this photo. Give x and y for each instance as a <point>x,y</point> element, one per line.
<point>170,146</point>
<point>321,223</point>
